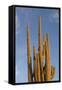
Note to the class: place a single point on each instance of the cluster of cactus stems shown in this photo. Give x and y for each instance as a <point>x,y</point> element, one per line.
<point>42,68</point>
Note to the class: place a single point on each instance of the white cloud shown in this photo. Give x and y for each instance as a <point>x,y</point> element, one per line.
<point>17,25</point>
<point>17,70</point>
<point>54,17</point>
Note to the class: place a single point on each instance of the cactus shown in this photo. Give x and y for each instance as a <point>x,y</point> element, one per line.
<point>29,56</point>
<point>52,72</point>
<point>40,51</point>
<point>47,59</point>
<point>43,70</point>
<point>35,64</point>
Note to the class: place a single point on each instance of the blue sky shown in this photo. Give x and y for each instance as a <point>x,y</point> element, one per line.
<point>50,24</point>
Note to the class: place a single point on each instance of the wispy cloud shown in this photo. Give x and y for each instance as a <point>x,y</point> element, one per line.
<point>17,70</point>
<point>17,25</point>
<point>17,73</point>
<point>54,17</point>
